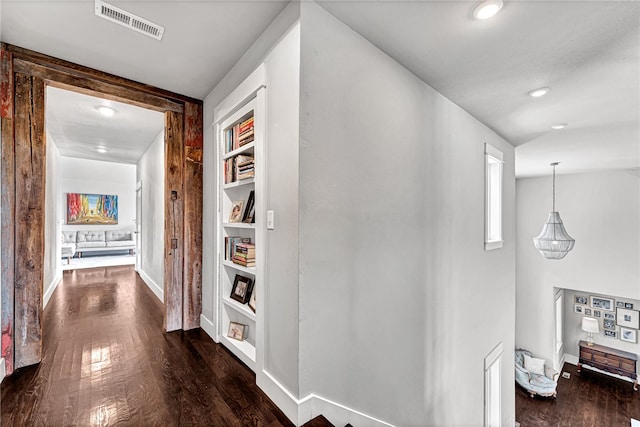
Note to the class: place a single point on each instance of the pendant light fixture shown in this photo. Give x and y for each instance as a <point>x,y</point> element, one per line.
<point>553,242</point>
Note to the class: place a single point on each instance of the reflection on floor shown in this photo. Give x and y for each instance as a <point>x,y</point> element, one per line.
<point>98,261</point>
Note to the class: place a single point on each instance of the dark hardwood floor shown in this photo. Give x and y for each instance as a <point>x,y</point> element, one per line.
<point>588,399</point>
<point>106,361</point>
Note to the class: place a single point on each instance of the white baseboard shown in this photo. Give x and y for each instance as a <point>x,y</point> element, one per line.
<point>208,326</point>
<point>570,358</point>
<point>3,371</point>
<point>299,411</point>
<point>157,290</point>
<point>52,287</point>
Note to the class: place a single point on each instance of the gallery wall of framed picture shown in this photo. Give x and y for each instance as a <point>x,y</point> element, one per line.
<point>618,319</point>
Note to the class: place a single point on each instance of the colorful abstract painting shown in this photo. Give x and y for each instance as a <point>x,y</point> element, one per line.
<point>92,209</point>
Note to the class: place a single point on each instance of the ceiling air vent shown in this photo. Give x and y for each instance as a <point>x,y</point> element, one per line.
<point>128,20</point>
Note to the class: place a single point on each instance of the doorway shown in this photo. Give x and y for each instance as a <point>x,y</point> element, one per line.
<point>138,232</point>
<point>24,76</point>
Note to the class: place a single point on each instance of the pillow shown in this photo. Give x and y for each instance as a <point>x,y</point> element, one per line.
<point>533,365</point>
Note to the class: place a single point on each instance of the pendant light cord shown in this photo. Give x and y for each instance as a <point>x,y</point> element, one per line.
<point>554,188</point>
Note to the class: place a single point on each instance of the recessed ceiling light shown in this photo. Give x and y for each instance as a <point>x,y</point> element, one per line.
<point>536,93</point>
<point>106,111</point>
<point>559,126</point>
<point>487,9</point>
<point>101,149</point>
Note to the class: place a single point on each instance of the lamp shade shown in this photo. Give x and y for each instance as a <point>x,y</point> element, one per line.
<point>554,242</point>
<point>589,324</point>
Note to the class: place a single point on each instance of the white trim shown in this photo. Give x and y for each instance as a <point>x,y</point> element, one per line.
<point>52,287</point>
<point>208,327</point>
<point>496,244</point>
<point>244,92</point>
<point>3,371</point>
<point>299,411</point>
<point>570,358</point>
<point>493,358</point>
<point>157,290</point>
<point>494,156</point>
<point>493,152</point>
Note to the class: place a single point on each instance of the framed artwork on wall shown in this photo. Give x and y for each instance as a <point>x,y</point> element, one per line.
<point>611,334</point>
<point>628,318</point>
<point>91,209</point>
<point>609,324</point>
<point>581,300</point>
<point>602,303</point>
<point>609,316</point>
<point>629,335</point>
<point>587,312</point>
<point>578,309</point>
<point>619,304</point>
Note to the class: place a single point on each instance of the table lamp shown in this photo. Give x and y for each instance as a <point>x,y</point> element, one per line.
<point>590,326</point>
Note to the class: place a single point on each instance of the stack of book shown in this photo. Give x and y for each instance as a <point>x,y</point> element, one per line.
<point>245,254</point>
<point>238,135</point>
<point>230,244</point>
<point>244,167</point>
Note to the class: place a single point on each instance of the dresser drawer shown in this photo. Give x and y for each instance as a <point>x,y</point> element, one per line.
<point>585,354</point>
<point>628,366</point>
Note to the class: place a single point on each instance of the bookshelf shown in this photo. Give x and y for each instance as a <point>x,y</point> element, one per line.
<point>240,236</point>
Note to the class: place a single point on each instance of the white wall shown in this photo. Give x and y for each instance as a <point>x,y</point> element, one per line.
<point>96,177</point>
<point>150,172</point>
<point>399,302</point>
<point>602,212</point>
<point>52,222</point>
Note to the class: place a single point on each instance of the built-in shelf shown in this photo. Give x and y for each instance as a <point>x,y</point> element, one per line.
<point>250,270</point>
<point>239,183</point>
<point>245,149</point>
<point>240,308</point>
<point>238,225</point>
<point>245,350</point>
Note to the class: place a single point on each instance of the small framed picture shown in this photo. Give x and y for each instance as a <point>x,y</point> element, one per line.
<point>252,301</point>
<point>581,300</point>
<point>628,306</point>
<point>242,288</point>
<point>629,335</point>
<point>587,312</point>
<point>237,331</point>
<point>628,318</point>
<point>609,316</point>
<point>597,313</point>
<point>611,334</point>
<point>602,303</point>
<point>578,309</point>
<point>236,211</point>
<point>619,304</point>
<point>609,324</point>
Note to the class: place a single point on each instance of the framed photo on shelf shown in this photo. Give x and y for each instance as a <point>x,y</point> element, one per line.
<point>628,318</point>
<point>629,335</point>
<point>242,288</point>
<point>597,313</point>
<point>248,209</point>
<point>587,312</point>
<point>578,309</point>
<point>609,316</point>
<point>252,301</point>
<point>602,303</point>
<point>611,334</point>
<point>609,324</point>
<point>236,211</point>
<point>237,331</point>
<point>581,300</point>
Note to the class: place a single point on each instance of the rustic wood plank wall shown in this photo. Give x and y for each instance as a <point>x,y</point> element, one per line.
<point>173,219</point>
<point>7,219</point>
<point>29,215</point>
<point>192,277</point>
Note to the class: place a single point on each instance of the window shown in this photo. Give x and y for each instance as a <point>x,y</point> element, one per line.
<point>492,392</point>
<point>493,198</point>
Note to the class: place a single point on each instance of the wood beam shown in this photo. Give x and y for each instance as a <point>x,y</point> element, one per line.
<point>173,220</point>
<point>29,218</point>
<point>192,276</point>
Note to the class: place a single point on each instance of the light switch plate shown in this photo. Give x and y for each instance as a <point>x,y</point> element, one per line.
<point>270,220</point>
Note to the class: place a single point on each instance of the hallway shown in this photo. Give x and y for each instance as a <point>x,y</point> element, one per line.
<point>106,361</point>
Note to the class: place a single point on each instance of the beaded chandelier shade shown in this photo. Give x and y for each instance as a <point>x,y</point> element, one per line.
<point>554,242</point>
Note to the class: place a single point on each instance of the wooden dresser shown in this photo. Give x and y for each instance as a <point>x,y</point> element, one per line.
<point>610,360</point>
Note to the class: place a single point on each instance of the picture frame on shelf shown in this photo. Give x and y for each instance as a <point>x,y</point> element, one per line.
<point>628,306</point>
<point>609,324</point>
<point>237,331</point>
<point>628,318</point>
<point>611,334</point>
<point>235,214</point>
<point>578,309</point>
<point>587,312</point>
<point>597,313</point>
<point>609,316</point>
<point>628,335</point>
<point>242,289</point>
<point>248,209</point>
<point>619,304</point>
<point>602,303</point>
<point>582,300</point>
<point>252,301</point>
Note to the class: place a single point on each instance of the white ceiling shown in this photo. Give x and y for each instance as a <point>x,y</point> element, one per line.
<point>78,128</point>
<point>588,52</point>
